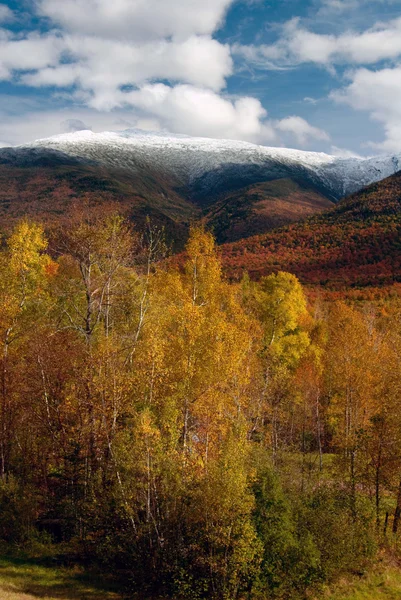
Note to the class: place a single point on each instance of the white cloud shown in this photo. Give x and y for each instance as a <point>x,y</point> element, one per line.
<point>379,93</point>
<point>170,43</point>
<point>344,153</point>
<point>330,7</point>
<point>29,122</point>
<point>136,19</point>
<point>33,52</point>
<point>101,67</point>
<point>301,130</point>
<point>374,90</point>
<point>72,125</point>
<point>6,14</point>
<point>201,112</point>
<point>181,109</point>
<point>299,45</point>
<point>117,56</point>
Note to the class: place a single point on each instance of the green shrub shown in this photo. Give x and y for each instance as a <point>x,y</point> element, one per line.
<point>291,560</point>
<point>345,538</point>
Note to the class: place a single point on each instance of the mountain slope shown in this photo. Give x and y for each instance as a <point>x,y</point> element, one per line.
<point>46,184</point>
<point>355,243</point>
<point>240,189</point>
<point>208,167</point>
<point>262,207</point>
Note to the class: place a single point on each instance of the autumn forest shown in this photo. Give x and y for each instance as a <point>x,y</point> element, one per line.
<point>195,437</point>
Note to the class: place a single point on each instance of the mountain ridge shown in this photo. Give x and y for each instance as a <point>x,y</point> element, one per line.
<point>190,158</point>
<point>238,188</point>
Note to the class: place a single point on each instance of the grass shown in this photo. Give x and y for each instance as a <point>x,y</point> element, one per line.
<point>382,583</point>
<point>25,578</point>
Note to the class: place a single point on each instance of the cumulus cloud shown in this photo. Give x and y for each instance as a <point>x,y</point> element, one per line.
<point>101,67</point>
<point>201,112</point>
<point>33,52</point>
<point>104,49</point>
<point>369,86</point>
<point>152,62</point>
<point>379,93</point>
<point>298,45</point>
<point>181,109</point>
<point>142,20</point>
<point>301,130</point>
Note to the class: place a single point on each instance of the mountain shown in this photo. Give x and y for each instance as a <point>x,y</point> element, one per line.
<point>356,243</point>
<point>240,189</point>
<point>207,167</point>
<point>262,207</point>
<point>46,184</point>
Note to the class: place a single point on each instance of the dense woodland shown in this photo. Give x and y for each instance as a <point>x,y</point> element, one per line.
<point>356,243</point>
<point>197,438</point>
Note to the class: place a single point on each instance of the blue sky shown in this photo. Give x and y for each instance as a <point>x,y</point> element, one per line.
<point>319,75</point>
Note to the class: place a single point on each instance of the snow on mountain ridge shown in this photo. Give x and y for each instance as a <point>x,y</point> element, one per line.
<point>161,140</point>
<point>189,158</point>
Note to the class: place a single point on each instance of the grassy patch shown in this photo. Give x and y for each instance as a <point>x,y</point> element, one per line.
<point>24,578</point>
<point>381,584</point>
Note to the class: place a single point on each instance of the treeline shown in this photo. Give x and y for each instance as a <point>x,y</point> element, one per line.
<point>198,438</point>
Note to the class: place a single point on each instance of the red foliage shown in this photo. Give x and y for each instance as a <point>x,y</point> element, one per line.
<point>355,244</point>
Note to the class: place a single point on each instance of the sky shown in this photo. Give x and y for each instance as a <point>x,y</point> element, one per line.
<point>322,75</point>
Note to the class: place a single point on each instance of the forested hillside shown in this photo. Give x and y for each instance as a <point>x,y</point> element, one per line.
<point>47,187</point>
<point>356,243</point>
<point>262,207</point>
<point>196,438</point>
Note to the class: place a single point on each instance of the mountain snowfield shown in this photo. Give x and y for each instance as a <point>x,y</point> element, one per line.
<point>208,162</point>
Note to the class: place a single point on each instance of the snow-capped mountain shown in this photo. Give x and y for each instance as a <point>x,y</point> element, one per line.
<point>241,189</point>
<point>207,164</point>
